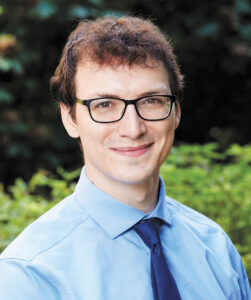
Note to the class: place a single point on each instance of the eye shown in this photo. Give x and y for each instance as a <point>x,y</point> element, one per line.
<point>153,100</point>
<point>102,104</point>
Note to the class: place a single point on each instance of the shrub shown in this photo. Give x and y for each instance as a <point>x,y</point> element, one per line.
<point>216,184</point>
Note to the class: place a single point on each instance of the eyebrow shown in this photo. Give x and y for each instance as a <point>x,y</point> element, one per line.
<point>148,93</point>
<point>156,92</point>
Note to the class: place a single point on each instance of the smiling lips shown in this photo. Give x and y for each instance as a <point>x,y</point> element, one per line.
<point>132,151</point>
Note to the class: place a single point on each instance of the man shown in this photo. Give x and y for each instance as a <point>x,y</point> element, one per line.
<point>118,236</point>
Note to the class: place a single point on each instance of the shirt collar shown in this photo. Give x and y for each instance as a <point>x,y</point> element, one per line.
<point>112,215</point>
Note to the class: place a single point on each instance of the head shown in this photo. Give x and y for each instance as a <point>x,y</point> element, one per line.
<point>125,58</point>
<point>112,41</point>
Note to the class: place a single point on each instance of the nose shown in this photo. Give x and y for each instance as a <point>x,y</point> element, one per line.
<point>131,125</point>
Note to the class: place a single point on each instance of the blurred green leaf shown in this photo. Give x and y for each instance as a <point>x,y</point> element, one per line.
<point>1,9</point>
<point>208,30</point>
<point>242,6</point>
<point>5,64</point>
<point>16,149</point>
<point>69,176</point>
<point>111,12</point>
<point>5,96</point>
<point>79,11</point>
<point>8,64</point>
<point>43,10</point>
<point>246,32</point>
<point>96,2</point>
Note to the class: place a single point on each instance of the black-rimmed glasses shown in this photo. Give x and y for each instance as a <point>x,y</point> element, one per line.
<point>111,109</point>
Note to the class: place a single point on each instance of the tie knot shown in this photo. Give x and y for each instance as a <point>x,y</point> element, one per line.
<point>148,230</point>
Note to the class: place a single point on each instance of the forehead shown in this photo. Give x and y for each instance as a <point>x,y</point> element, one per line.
<point>93,80</point>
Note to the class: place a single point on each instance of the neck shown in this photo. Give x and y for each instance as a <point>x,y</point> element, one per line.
<point>142,195</point>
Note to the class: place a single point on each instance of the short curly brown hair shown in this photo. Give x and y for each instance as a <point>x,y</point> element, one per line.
<point>112,41</point>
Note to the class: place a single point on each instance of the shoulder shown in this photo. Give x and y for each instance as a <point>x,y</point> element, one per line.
<point>190,217</point>
<point>198,229</point>
<point>206,236</point>
<point>52,228</point>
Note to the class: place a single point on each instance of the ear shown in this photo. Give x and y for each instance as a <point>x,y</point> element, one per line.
<point>69,124</point>
<point>177,114</point>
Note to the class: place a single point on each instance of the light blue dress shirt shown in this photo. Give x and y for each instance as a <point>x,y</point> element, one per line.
<point>84,249</point>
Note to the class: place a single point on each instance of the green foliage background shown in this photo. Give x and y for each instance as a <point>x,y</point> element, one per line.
<point>212,41</point>
<point>216,184</point>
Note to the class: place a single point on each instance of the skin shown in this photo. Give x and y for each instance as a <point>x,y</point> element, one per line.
<point>123,158</point>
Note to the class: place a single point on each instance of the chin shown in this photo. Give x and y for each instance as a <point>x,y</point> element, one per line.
<point>130,177</point>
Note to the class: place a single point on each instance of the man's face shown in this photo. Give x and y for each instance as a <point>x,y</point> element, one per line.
<point>131,150</point>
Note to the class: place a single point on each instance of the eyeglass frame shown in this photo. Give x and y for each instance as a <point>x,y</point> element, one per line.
<point>87,103</point>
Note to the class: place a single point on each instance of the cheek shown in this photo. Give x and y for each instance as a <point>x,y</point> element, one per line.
<point>93,137</point>
<point>165,129</point>
<point>166,139</point>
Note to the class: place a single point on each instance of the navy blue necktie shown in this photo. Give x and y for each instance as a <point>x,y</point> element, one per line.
<point>163,284</point>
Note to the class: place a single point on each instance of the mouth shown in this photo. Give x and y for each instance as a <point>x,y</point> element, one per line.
<point>133,151</point>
